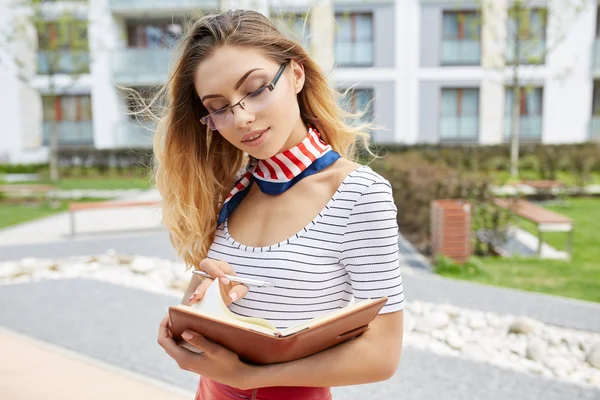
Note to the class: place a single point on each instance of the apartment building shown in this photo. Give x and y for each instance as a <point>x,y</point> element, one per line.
<point>421,69</point>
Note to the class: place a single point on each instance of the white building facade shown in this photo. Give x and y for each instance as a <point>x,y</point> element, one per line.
<point>423,73</point>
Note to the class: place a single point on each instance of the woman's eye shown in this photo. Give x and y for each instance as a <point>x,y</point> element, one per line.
<point>257,92</point>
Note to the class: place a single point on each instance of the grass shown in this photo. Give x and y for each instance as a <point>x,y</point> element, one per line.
<point>12,214</point>
<point>578,278</point>
<point>568,178</point>
<point>95,182</point>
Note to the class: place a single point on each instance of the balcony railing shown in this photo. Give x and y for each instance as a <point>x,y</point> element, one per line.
<point>137,134</point>
<point>459,128</point>
<point>63,62</point>
<point>461,52</point>
<point>530,51</point>
<point>354,54</point>
<point>596,58</point>
<point>595,129</point>
<point>70,133</point>
<point>530,128</point>
<point>140,65</point>
<point>131,5</point>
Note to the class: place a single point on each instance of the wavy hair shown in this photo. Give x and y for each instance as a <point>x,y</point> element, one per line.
<point>195,168</point>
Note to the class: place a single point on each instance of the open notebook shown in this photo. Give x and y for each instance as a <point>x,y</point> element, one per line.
<point>257,341</point>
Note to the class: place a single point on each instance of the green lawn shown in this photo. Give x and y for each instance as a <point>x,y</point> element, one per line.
<point>503,177</point>
<point>97,182</point>
<point>578,278</point>
<point>12,214</point>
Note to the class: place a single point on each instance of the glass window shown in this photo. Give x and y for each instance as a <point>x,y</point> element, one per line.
<point>459,114</point>
<point>359,100</point>
<point>153,34</point>
<point>67,108</point>
<point>354,39</point>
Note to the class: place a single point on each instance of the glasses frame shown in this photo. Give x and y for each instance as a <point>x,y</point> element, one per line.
<point>270,86</point>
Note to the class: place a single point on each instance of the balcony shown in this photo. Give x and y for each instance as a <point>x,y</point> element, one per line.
<point>594,134</point>
<point>459,128</point>
<point>134,134</point>
<point>596,58</point>
<point>131,7</point>
<point>70,133</point>
<point>530,128</point>
<point>141,66</point>
<point>63,62</point>
<point>354,54</point>
<point>532,52</point>
<point>461,52</point>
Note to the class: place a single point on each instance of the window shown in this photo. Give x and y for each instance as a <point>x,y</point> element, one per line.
<point>530,113</point>
<point>67,108</point>
<point>527,28</point>
<point>294,25</point>
<point>459,114</point>
<point>63,48</point>
<point>461,38</point>
<point>153,34</point>
<point>138,101</point>
<point>359,100</point>
<point>596,99</point>
<point>354,39</point>
<point>72,117</point>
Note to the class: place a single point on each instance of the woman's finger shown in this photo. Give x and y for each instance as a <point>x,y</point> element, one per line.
<point>200,290</point>
<point>216,269</point>
<point>237,292</point>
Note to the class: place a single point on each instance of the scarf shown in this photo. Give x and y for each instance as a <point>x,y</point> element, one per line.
<point>277,174</point>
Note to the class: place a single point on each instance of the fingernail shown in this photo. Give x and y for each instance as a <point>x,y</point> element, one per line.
<point>225,281</point>
<point>233,296</point>
<point>186,335</point>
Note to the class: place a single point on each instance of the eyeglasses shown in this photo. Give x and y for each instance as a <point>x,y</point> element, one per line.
<point>252,103</point>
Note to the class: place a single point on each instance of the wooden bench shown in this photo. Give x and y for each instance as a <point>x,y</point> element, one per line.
<point>24,189</point>
<point>545,220</point>
<point>78,206</point>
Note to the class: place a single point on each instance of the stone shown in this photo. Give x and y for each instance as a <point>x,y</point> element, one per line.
<point>561,366</point>
<point>437,319</point>
<point>455,341</point>
<point>141,265</point>
<point>9,270</point>
<point>522,326</point>
<point>593,357</point>
<point>124,259</point>
<point>477,322</point>
<point>409,321</point>
<point>536,350</point>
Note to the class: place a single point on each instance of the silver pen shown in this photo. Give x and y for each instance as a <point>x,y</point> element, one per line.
<point>238,279</point>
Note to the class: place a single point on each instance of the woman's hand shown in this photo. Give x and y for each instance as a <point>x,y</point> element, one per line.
<point>231,291</point>
<point>215,362</point>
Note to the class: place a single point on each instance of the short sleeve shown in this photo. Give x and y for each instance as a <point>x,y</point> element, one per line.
<point>370,251</point>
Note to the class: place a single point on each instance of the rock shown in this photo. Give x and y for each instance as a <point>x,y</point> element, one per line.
<point>522,326</point>
<point>455,341</point>
<point>423,325</point>
<point>593,357</point>
<point>415,308</point>
<point>477,322</point>
<point>561,366</point>
<point>9,270</point>
<point>438,319</point>
<point>141,265</point>
<point>124,259</point>
<point>181,285</point>
<point>536,350</point>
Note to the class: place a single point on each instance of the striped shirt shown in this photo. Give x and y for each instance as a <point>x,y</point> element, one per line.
<point>349,250</point>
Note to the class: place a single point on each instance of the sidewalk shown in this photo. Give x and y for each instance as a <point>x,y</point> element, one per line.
<point>57,228</point>
<point>31,369</point>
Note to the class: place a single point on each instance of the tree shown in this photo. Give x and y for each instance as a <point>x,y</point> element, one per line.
<point>60,37</point>
<point>522,32</point>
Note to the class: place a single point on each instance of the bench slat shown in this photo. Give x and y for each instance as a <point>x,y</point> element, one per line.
<point>533,212</point>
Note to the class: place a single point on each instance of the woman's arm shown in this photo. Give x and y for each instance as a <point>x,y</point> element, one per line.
<point>372,357</point>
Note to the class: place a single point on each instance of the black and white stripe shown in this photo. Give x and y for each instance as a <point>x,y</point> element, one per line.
<point>349,250</point>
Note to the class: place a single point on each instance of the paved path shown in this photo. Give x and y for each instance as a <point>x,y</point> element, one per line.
<point>88,316</point>
<point>26,361</point>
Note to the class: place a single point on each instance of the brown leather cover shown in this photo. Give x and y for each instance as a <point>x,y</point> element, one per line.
<point>260,348</point>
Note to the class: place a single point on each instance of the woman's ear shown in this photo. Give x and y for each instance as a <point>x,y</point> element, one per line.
<point>298,72</point>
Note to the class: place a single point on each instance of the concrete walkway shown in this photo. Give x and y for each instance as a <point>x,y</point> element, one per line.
<point>32,369</point>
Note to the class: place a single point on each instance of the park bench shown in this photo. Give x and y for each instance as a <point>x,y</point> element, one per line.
<point>26,189</point>
<point>544,219</point>
<point>78,206</point>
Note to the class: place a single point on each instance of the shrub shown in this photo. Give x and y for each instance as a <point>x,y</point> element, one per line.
<point>417,182</point>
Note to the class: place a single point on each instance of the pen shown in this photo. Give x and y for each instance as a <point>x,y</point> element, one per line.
<point>239,279</point>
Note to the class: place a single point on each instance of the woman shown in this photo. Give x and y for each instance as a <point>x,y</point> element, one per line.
<point>303,215</point>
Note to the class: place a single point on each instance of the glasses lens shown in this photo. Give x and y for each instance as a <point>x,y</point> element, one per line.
<point>258,100</point>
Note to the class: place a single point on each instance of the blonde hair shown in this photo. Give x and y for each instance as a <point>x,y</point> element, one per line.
<point>195,167</point>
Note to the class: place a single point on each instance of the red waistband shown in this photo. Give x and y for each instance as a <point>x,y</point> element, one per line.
<point>212,390</point>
